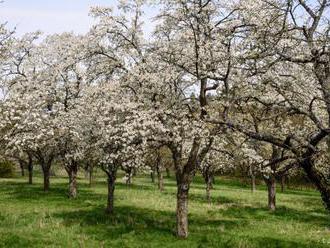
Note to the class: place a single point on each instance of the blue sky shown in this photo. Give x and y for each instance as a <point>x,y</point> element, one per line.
<point>49,16</point>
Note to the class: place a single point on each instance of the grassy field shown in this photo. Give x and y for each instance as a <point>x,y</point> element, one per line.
<point>145,217</point>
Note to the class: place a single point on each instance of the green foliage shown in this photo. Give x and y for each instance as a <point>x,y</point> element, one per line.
<point>144,217</point>
<point>7,169</point>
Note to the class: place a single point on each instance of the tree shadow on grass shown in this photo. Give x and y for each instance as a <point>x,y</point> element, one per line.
<point>13,240</point>
<point>58,193</point>
<point>270,242</point>
<point>149,226</point>
<point>201,198</point>
<point>281,214</point>
<point>140,220</point>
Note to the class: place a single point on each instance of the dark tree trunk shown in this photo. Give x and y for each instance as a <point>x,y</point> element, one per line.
<point>182,209</point>
<point>319,180</point>
<point>46,171</point>
<point>253,178</point>
<point>271,187</point>
<point>160,179</point>
<point>30,170</point>
<point>208,182</point>
<point>90,175</point>
<point>86,173</point>
<point>168,173</point>
<point>21,164</point>
<point>212,181</point>
<point>46,163</point>
<point>282,183</point>
<point>111,189</point>
<point>152,176</point>
<point>72,171</point>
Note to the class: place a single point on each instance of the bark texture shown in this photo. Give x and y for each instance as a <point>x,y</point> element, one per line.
<point>46,163</point>
<point>160,179</point>
<point>253,178</point>
<point>30,170</point>
<point>73,171</point>
<point>271,188</point>
<point>319,180</point>
<point>46,172</point>
<point>22,165</point>
<point>182,210</point>
<point>111,189</point>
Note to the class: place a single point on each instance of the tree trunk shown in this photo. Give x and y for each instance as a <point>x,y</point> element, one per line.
<point>212,181</point>
<point>160,180</point>
<point>168,173</point>
<point>45,163</point>
<point>253,183</point>
<point>111,189</point>
<point>208,181</point>
<point>129,178</point>
<point>152,176</point>
<point>90,176</point>
<point>282,183</point>
<point>184,176</point>
<point>73,169</point>
<point>21,164</point>
<point>182,210</point>
<point>30,170</point>
<point>271,187</point>
<point>86,173</point>
<point>319,180</point>
<point>253,178</point>
<point>46,171</point>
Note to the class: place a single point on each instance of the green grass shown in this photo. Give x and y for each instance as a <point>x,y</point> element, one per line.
<point>144,217</point>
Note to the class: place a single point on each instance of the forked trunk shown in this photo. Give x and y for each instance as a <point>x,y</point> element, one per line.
<point>184,177</point>
<point>46,164</point>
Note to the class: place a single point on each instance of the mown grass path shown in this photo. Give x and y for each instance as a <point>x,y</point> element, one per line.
<point>144,217</point>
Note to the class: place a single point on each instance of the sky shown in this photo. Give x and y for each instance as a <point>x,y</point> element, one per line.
<point>56,16</point>
<point>49,16</point>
